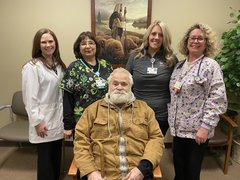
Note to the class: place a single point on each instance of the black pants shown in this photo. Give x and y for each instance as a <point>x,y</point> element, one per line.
<point>49,160</point>
<point>163,126</point>
<point>187,158</point>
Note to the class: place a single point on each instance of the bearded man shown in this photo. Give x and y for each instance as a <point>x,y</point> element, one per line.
<point>118,137</point>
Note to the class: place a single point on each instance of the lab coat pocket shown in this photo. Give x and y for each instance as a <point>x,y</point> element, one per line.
<point>53,115</point>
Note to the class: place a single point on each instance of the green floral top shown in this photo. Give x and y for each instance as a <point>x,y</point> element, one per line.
<point>85,85</point>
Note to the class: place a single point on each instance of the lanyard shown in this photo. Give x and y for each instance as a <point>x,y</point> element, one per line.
<point>91,69</point>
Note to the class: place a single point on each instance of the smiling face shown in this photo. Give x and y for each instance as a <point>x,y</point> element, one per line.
<point>155,39</point>
<point>47,45</point>
<point>196,43</point>
<point>87,48</point>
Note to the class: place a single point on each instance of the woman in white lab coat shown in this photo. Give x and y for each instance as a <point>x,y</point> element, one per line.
<point>43,102</point>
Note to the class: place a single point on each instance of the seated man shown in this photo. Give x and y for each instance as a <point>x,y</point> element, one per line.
<point>119,130</point>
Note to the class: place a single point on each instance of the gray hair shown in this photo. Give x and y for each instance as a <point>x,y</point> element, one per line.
<point>121,71</point>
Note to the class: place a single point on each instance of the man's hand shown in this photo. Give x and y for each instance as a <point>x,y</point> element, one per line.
<point>95,175</point>
<point>134,174</point>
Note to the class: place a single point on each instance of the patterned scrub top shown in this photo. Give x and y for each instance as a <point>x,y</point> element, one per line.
<point>201,100</point>
<point>83,83</point>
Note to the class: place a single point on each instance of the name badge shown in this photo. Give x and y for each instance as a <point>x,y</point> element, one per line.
<point>100,83</point>
<point>178,85</point>
<point>151,70</point>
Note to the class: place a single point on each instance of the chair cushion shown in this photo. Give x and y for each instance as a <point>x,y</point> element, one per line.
<point>219,138</point>
<point>18,106</point>
<point>16,131</point>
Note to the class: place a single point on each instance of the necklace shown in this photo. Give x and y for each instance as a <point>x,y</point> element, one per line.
<point>51,67</point>
<point>95,69</point>
<point>91,66</point>
<point>152,61</point>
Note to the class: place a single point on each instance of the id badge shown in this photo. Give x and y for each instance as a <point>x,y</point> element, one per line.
<point>100,83</point>
<point>178,85</point>
<point>151,70</point>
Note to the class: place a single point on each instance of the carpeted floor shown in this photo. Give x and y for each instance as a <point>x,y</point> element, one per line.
<point>21,165</point>
<point>211,167</point>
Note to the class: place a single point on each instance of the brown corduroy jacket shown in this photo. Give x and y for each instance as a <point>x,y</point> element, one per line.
<point>99,124</point>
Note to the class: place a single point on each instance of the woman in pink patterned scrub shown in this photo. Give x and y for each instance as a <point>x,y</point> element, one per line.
<point>198,97</point>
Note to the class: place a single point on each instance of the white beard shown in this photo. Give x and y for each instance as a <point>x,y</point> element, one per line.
<point>120,97</point>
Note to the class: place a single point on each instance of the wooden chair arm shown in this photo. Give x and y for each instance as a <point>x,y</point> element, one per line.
<point>157,174</point>
<point>73,171</point>
<point>229,120</point>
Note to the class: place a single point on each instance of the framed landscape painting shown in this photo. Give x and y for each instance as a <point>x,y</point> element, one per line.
<point>119,26</point>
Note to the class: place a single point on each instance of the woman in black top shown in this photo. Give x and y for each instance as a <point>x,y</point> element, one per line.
<point>151,66</point>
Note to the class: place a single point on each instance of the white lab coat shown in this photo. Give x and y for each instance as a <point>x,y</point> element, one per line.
<point>43,100</point>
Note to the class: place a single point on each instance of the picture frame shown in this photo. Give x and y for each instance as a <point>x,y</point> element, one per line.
<point>119,27</point>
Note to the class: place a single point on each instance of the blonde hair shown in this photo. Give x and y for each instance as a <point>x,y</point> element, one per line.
<point>211,43</point>
<point>166,45</point>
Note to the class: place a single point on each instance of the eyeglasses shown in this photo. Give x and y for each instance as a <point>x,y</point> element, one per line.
<point>85,43</point>
<point>199,39</point>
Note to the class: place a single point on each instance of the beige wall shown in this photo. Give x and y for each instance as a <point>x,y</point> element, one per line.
<point>20,19</point>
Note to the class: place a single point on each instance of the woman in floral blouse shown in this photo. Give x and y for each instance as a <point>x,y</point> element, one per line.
<point>198,97</point>
<point>85,80</point>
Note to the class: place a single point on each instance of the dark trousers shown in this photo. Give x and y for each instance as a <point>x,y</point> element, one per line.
<point>163,126</point>
<point>187,158</point>
<point>79,177</point>
<point>49,160</point>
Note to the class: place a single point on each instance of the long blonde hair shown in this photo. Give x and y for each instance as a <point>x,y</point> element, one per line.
<point>211,43</point>
<point>166,45</point>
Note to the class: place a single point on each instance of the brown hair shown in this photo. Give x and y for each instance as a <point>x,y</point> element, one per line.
<point>36,50</point>
<point>81,37</point>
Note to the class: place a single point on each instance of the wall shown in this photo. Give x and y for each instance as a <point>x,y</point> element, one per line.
<point>20,19</point>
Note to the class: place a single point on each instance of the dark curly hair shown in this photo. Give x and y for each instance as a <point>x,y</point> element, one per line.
<point>81,37</point>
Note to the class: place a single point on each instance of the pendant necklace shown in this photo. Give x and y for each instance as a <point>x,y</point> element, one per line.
<point>152,61</point>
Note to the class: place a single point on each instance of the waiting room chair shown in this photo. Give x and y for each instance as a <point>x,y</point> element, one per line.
<point>17,129</point>
<point>221,139</point>
<point>73,172</point>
